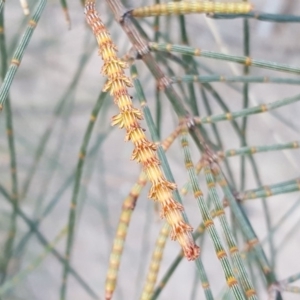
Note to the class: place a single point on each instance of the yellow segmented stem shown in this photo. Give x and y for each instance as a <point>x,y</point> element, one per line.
<point>155,262</point>
<point>144,151</point>
<point>118,244</point>
<point>166,143</point>
<point>185,7</point>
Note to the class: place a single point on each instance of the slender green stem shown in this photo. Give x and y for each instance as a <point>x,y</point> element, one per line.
<point>216,134</point>
<point>231,243</point>
<point>261,16</point>
<point>266,212</point>
<point>245,100</point>
<point>73,205</point>
<point>189,63</point>
<point>248,111</point>
<point>260,149</point>
<point>247,61</point>
<point>13,161</point>
<point>245,227</point>
<point>271,190</point>
<point>18,278</point>
<point>45,243</point>
<point>281,221</point>
<point>239,79</point>
<point>209,224</point>
<point>18,54</point>
<point>58,196</point>
<point>225,108</point>
<point>285,241</point>
<point>244,143</point>
<point>59,108</point>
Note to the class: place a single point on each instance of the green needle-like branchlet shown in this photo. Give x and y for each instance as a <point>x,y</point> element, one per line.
<point>261,16</point>
<point>231,243</point>
<point>247,61</point>
<point>250,150</point>
<point>239,79</point>
<point>245,226</point>
<point>45,243</point>
<point>209,223</point>
<point>248,111</point>
<point>73,204</point>
<point>271,190</point>
<point>18,54</point>
<point>15,280</point>
<point>8,247</point>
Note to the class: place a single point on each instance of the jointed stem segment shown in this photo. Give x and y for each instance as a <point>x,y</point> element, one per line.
<point>120,236</point>
<point>144,151</point>
<point>155,263</point>
<point>187,7</point>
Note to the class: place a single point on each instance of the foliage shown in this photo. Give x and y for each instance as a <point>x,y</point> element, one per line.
<point>75,219</point>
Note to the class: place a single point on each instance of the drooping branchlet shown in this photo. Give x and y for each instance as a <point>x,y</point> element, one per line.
<point>144,150</point>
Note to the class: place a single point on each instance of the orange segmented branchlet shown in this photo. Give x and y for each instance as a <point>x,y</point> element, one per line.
<point>188,7</point>
<point>144,151</point>
<point>124,221</point>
